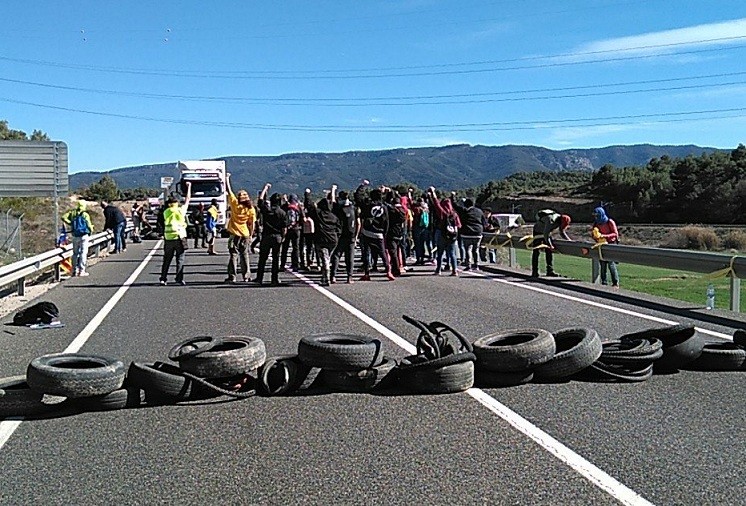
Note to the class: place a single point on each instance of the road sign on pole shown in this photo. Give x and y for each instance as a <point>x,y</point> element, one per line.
<point>166,182</point>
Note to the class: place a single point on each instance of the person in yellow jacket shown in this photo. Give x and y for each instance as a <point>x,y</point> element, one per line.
<point>174,236</point>
<point>81,228</point>
<point>240,227</point>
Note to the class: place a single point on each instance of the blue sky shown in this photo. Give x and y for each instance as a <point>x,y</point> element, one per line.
<point>129,83</point>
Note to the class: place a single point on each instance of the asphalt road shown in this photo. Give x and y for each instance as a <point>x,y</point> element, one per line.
<point>675,439</point>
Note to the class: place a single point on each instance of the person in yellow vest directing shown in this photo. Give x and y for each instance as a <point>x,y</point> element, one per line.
<point>175,236</point>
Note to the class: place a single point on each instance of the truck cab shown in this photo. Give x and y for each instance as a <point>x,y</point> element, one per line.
<point>208,183</point>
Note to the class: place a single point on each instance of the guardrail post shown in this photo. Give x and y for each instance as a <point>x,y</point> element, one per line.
<point>595,271</point>
<point>735,294</point>
<point>21,284</point>
<point>57,272</point>
<point>512,262</point>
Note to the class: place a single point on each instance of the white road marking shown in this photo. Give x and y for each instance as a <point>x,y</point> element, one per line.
<point>595,304</point>
<point>9,426</point>
<point>589,471</point>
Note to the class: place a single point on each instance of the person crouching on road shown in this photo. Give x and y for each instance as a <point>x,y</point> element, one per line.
<point>241,228</point>
<point>211,226</point>
<point>547,220</point>
<point>275,225</point>
<point>175,236</point>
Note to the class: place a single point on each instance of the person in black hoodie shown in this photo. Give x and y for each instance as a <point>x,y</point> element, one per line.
<point>327,232</point>
<point>296,216</point>
<point>375,224</point>
<point>472,226</point>
<point>115,221</point>
<point>350,227</point>
<point>275,225</point>
<point>395,234</point>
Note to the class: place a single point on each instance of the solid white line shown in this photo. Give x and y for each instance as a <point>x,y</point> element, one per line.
<point>595,475</point>
<point>9,426</point>
<point>595,304</point>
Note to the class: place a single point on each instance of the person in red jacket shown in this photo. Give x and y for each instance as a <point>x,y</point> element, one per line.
<point>605,230</point>
<point>446,232</point>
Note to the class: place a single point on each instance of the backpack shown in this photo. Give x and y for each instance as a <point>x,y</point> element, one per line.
<point>41,312</point>
<point>451,230</point>
<point>79,225</point>
<point>293,217</point>
<point>424,219</point>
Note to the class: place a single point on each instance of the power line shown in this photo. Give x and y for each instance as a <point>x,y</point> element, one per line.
<point>668,117</point>
<point>337,74</point>
<point>465,98</point>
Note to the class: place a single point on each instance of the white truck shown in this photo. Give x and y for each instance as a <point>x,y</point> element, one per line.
<point>208,183</point>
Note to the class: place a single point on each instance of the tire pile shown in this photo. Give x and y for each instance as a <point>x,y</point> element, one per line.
<point>518,356</point>
<point>444,362</point>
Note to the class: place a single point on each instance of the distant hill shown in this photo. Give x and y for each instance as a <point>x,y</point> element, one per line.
<point>451,167</point>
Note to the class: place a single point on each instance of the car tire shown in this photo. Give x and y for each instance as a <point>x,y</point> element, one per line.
<point>75,375</point>
<point>340,352</point>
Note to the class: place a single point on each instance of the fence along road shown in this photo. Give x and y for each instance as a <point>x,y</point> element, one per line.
<point>671,440</point>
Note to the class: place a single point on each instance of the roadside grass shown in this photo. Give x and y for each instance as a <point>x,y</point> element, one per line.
<point>689,287</point>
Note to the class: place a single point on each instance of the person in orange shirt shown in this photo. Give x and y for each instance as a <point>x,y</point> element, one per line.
<point>240,227</point>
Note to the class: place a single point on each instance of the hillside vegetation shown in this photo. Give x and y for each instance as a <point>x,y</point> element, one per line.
<point>449,167</point>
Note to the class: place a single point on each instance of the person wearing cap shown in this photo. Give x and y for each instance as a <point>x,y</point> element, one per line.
<point>547,220</point>
<point>240,227</point>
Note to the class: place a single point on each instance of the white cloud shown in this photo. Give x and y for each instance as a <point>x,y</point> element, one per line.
<point>664,42</point>
<point>569,136</point>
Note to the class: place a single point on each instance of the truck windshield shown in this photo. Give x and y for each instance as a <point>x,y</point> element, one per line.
<point>203,189</point>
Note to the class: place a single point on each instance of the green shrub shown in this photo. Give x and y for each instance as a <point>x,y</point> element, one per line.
<point>691,237</point>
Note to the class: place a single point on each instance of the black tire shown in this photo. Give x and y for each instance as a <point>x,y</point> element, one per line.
<point>720,357</point>
<point>599,371</point>
<point>364,380</point>
<point>283,375</point>
<point>129,397</point>
<point>192,347</point>
<point>577,348</point>
<point>453,378</point>
<point>231,356</point>
<point>490,379</point>
<point>514,350</point>
<point>17,399</point>
<point>739,337</point>
<point>631,352</point>
<point>165,383</point>
<point>681,346</point>
<point>75,375</point>
<point>416,362</point>
<point>340,352</point>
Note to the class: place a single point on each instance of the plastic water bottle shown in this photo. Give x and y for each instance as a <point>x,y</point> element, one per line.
<point>710,296</point>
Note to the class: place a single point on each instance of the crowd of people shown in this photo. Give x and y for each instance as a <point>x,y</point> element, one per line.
<point>393,229</point>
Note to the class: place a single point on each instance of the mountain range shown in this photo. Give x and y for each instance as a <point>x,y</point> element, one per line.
<point>449,167</point>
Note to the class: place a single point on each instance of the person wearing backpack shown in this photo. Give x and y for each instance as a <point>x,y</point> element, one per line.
<point>81,228</point>
<point>211,225</point>
<point>421,231</point>
<point>295,217</point>
<point>448,227</point>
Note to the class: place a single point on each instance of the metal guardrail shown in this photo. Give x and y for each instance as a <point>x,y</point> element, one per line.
<point>17,272</point>
<point>732,266</point>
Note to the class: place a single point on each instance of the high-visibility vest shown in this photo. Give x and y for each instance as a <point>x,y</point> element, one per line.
<point>175,223</point>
